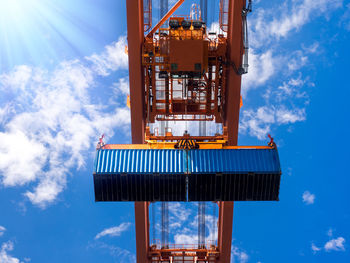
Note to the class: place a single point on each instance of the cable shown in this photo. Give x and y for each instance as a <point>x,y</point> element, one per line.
<point>154,222</point>
<point>204,10</point>
<point>165,224</point>
<point>199,224</point>
<point>163,9</point>
<point>201,205</point>
<point>214,222</point>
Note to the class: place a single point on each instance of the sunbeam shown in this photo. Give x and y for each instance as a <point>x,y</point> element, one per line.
<point>46,31</point>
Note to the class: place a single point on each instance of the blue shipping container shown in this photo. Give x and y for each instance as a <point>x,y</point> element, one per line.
<point>140,161</point>
<point>187,175</point>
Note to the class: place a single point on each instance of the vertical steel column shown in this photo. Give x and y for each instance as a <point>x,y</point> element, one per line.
<point>134,10</point>
<point>142,230</point>
<point>137,103</point>
<point>231,118</point>
<point>225,231</point>
<point>202,131</point>
<point>234,55</point>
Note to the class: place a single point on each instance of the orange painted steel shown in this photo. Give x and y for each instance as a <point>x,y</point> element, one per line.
<point>137,93</point>
<point>147,15</point>
<point>184,253</point>
<point>223,15</point>
<point>234,56</point>
<point>231,119</point>
<point>170,145</point>
<point>142,231</point>
<point>135,40</point>
<point>203,85</point>
<point>184,70</point>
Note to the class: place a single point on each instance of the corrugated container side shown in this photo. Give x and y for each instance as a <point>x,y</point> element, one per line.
<point>139,161</point>
<point>234,161</point>
<point>179,175</point>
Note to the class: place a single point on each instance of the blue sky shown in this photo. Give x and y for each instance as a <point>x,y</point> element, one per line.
<point>64,81</point>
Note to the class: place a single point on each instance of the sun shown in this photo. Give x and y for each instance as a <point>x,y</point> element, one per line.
<point>15,10</point>
<point>36,32</point>
<point>20,28</point>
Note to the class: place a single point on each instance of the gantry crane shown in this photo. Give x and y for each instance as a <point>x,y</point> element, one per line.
<point>179,71</point>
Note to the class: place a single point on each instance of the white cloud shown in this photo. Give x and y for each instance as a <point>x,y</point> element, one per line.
<point>4,256</point>
<point>2,230</point>
<point>186,238</point>
<point>189,234</point>
<point>258,123</point>
<point>346,18</point>
<point>55,120</point>
<point>312,48</point>
<point>19,171</point>
<point>308,198</point>
<point>178,212</point>
<point>113,58</point>
<point>261,69</point>
<point>238,254</point>
<point>264,65</point>
<point>279,110</point>
<point>314,248</point>
<point>269,25</point>
<point>18,78</point>
<point>122,86</point>
<point>120,255</point>
<point>291,89</point>
<point>268,58</point>
<point>296,82</point>
<point>330,232</point>
<point>186,229</point>
<point>297,61</point>
<point>336,244</point>
<point>5,112</point>
<point>113,231</point>
<point>284,116</point>
<point>255,129</point>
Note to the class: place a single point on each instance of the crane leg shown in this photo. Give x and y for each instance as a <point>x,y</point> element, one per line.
<point>225,231</point>
<point>142,231</point>
<point>135,39</point>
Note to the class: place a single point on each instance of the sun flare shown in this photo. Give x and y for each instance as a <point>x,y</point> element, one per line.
<point>32,31</point>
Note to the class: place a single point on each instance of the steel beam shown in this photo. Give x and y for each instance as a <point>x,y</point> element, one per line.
<point>231,117</point>
<point>142,231</point>
<point>234,55</point>
<point>225,231</point>
<point>134,10</point>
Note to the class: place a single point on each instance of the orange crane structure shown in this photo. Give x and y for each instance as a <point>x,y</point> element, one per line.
<point>179,71</point>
